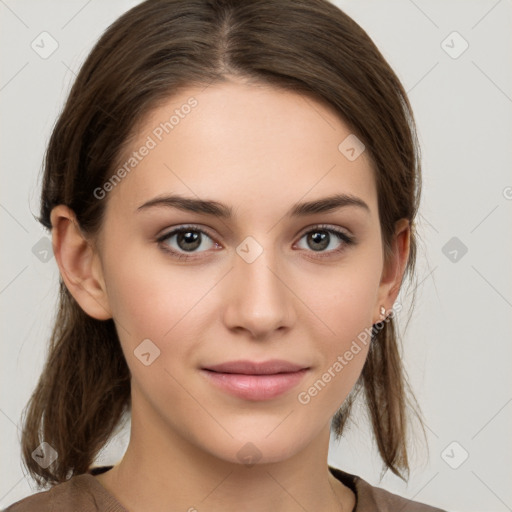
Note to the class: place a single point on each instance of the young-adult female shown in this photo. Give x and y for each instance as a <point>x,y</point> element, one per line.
<point>231,190</point>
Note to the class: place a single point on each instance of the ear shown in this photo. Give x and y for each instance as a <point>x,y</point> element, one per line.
<point>394,268</point>
<point>79,264</point>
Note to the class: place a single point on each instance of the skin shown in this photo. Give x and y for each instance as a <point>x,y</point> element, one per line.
<point>259,150</point>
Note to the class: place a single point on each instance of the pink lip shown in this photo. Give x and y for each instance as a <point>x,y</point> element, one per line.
<point>255,381</point>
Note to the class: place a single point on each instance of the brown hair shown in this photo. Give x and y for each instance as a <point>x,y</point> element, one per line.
<point>148,54</point>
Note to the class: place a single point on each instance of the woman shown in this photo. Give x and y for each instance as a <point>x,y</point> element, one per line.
<point>231,190</point>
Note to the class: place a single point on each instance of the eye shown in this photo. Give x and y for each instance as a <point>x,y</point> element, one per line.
<point>185,239</point>
<point>322,237</point>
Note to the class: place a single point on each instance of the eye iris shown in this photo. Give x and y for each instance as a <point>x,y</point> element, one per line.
<point>191,239</point>
<point>321,237</point>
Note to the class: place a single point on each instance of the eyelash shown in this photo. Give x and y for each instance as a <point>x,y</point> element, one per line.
<point>342,237</point>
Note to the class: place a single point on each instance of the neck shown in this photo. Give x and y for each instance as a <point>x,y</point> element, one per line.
<point>163,471</point>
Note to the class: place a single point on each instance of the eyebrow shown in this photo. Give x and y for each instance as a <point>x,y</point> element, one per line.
<point>220,210</point>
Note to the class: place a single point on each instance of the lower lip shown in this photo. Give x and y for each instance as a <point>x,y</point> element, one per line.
<point>255,387</point>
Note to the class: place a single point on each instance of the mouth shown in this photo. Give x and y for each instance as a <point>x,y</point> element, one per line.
<point>255,381</point>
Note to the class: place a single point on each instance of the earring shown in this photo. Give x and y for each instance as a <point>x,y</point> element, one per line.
<point>382,311</point>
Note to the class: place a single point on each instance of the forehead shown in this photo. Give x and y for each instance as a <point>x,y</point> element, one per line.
<point>247,144</point>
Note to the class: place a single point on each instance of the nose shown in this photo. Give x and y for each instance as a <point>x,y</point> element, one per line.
<point>259,299</point>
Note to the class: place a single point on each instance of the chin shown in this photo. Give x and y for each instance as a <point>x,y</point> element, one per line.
<point>257,449</point>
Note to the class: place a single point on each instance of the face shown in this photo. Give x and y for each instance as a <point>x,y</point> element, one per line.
<point>270,281</point>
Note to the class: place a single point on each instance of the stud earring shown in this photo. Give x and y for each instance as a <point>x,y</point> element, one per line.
<point>382,311</point>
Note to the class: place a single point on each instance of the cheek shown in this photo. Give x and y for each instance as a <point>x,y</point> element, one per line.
<point>344,296</point>
<point>153,298</point>
<point>149,298</point>
<point>343,302</point>
<point>341,352</point>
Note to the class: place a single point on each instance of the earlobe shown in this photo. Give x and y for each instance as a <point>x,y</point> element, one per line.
<point>394,267</point>
<point>79,264</point>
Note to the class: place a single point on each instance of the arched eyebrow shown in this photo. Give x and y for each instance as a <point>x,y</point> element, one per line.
<point>222,211</point>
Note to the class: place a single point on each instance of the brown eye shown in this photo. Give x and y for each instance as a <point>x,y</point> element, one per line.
<point>321,238</point>
<point>186,239</point>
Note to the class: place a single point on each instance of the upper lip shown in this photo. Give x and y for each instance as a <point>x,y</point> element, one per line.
<point>256,368</point>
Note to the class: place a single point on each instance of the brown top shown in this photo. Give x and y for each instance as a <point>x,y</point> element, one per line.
<point>83,493</point>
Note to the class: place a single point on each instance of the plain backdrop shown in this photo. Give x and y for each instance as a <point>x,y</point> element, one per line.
<point>454,59</point>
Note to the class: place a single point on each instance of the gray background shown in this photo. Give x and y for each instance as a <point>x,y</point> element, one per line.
<point>457,345</point>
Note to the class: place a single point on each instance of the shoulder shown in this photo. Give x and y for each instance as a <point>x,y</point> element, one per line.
<point>74,494</point>
<point>375,499</point>
<point>80,493</point>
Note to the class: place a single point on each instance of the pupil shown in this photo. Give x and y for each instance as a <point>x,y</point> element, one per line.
<point>319,237</point>
<point>190,238</point>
